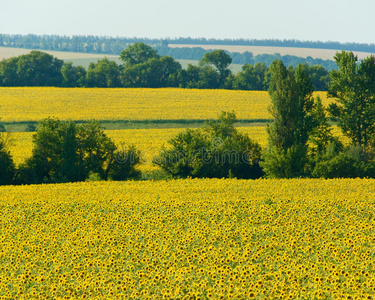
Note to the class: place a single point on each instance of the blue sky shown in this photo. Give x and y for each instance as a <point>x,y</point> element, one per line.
<point>319,20</point>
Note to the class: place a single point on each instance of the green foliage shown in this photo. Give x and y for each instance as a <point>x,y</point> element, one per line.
<point>67,152</point>
<point>352,162</point>
<point>252,78</point>
<point>220,60</point>
<point>353,85</point>
<point>216,150</point>
<point>123,164</point>
<point>292,103</point>
<point>285,163</point>
<point>31,127</point>
<point>154,73</point>
<point>7,167</point>
<point>104,73</point>
<point>137,53</point>
<point>320,77</point>
<point>199,77</point>
<point>73,76</point>
<point>321,133</point>
<point>33,69</point>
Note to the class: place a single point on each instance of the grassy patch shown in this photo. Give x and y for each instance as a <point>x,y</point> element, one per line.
<point>149,124</point>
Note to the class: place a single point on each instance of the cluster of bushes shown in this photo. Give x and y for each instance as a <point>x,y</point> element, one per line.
<point>67,152</point>
<point>143,67</point>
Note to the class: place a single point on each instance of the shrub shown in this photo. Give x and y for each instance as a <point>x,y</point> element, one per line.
<point>217,150</point>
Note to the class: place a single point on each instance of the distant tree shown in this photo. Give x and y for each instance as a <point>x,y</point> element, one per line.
<point>198,77</point>
<point>319,76</point>
<point>137,53</point>
<point>353,86</point>
<point>7,166</point>
<point>291,97</point>
<point>251,77</point>
<point>33,69</point>
<point>104,73</point>
<point>154,73</point>
<point>9,71</point>
<point>73,76</point>
<point>220,60</point>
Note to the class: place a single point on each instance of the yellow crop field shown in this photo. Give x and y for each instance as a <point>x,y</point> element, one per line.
<point>33,104</point>
<point>189,239</point>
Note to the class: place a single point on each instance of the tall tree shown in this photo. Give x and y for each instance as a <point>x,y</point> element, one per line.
<point>291,97</point>
<point>104,73</point>
<point>137,53</point>
<point>7,167</point>
<point>73,76</point>
<point>220,60</point>
<point>353,85</point>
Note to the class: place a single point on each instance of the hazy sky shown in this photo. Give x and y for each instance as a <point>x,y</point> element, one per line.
<point>323,20</point>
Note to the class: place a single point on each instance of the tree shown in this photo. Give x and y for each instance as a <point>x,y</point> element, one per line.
<point>137,53</point>
<point>34,69</point>
<point>66,152</point>
<point>7,167</point>
<point>104,73</point>
<point>291,97</point>
<point>39,69</point>
<point>353,85</point>
<point>197,77</point>
<point>73,76</point>
<point>217,150</point>
<point>220,60</point>
<point>155,73</point>
<point>122,164</point>
<point>319,77</point>
<point>253,78</point>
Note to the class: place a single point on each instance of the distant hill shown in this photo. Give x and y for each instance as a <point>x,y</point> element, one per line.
<point>81,50</point>
<point>259,50</point>
<point>114,45</point>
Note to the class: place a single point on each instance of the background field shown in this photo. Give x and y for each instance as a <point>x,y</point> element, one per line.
<point>159,105</point>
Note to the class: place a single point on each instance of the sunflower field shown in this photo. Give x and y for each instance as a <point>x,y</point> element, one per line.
<point>189,239</point>
<point>34,104</point>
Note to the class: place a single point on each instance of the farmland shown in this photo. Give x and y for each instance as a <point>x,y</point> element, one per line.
<point>184,239</point>
<point>180,238</point>
<point>167,104</point>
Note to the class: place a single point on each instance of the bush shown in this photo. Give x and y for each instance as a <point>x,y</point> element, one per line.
<point>30,127</point>
<point>352,162</point>
<point>123,164</point>
<point>217,150</point>
<point>67,152</point>
<point>7,166</point>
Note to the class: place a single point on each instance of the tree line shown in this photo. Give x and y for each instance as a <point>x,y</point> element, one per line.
<point>301,143</point>
<point>143,67</point>
<point>114,45</point>
<point>196,53</point>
